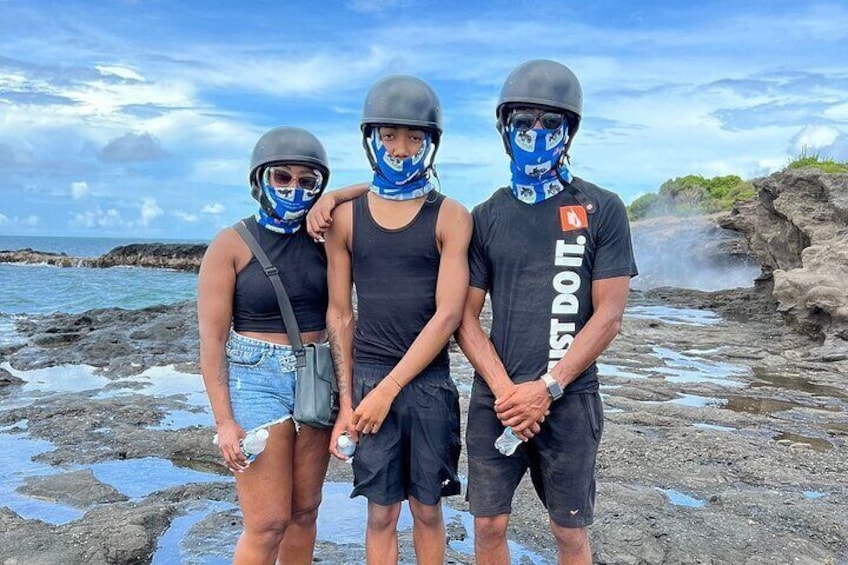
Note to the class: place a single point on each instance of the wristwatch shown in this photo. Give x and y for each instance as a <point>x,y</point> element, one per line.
<point>554,388</point>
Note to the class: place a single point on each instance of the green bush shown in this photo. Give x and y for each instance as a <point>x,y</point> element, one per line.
<point>692,194</point>
<point>825,164</point>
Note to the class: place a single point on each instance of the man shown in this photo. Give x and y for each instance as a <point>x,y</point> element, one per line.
<point>405,248</point>
<point>554,254</point>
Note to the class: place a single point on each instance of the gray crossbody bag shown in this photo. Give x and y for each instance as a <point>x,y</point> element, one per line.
<point>316,396</point>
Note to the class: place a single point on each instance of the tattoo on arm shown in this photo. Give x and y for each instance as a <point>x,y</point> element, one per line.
<point>338,360</point>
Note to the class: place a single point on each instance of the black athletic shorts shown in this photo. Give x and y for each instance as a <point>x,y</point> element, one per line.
<point>416,452</point>
<point>561,458</point>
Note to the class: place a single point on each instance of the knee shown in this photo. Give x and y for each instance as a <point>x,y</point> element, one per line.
<point>269,531</point>
<point>491,529</point>
<point>383,517</point>
<point>571,540</point>
<point>427,516</point>
<point>305,517</point>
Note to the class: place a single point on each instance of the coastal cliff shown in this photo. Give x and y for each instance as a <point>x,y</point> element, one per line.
<point>797,229</point>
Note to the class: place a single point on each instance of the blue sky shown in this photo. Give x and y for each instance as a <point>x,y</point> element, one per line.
<point>136,118</point>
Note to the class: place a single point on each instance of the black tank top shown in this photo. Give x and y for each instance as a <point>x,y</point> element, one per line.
<point>303,269</point>
<point>395,273</point>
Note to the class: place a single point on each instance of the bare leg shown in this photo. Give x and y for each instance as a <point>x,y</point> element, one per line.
<point>490,544</point>
<point>311,456</point>
<point>381,543</point>
<point>572,545</point>
<point>428,532</point>
<point>264,492</point>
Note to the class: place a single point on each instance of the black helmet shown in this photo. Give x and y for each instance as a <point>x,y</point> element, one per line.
<point>542,83</point>
<point>405,101</point>
<point>291,145</point>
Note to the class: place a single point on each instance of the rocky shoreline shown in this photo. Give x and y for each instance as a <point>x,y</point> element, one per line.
<point>746,452</point>
<point>725,438</point>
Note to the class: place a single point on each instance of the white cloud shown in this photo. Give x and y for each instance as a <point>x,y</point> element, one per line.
<point>149,211</point>
<point>118,71</point>
<point>30,221</point>
<point>811,138</point>
<point>215,208</point>
<point>79,189</point>
<point>3,219</point>
<point>185,216</point>
<point>96,218</point>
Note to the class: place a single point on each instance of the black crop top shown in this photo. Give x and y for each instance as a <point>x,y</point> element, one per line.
<point>303,269</point>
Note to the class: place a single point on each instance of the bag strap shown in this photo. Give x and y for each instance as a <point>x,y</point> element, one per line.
<point>292,329</point>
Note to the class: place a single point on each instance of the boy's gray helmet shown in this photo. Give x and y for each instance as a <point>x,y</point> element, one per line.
<point>289,145</point>
<point>404,101</point>
<point>542,82</point>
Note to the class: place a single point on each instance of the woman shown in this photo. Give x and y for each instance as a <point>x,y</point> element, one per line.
<point>247,363</point>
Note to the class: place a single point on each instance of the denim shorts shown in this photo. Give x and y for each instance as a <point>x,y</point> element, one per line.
<point>262,377</point>
<point>416,452</point>
<point>561,458</point>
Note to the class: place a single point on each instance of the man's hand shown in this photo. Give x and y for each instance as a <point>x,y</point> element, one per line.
<point>320,217</point>
<point>369,415</point>
<point>524,407</point>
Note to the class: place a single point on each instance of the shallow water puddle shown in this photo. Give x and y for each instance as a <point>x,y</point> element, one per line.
<point>16,458</point>
<point>695,401</point>
<point>59,379</point>
<point>137,478</point>
<point>674,316</point>
<point>683,368</point>
<point>715,427</point>
<point>169,548</point>
<point>815,443</point>
<point>679,499</point>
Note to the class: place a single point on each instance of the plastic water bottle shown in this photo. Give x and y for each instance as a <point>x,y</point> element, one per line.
<point>346,446</point>
<point>507,442</point>
<point>253,443</point>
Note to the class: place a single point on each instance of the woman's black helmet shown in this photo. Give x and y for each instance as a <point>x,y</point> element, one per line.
<point>546,83</point>
<point>290,145</point>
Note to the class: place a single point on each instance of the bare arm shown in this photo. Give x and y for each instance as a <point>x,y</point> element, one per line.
<point>454,232</point>
<point>340,321</point>
<point>477,346</point>
<point>320,216</point>
<point>609,297</point>
<point>215,287</point>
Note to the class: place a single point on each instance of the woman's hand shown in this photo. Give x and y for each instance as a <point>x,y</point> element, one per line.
<point>229,435</point>
<point>320,217</point>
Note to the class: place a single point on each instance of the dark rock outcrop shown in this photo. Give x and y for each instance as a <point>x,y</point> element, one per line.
<point>183,257</point>
<point>797,228</point>
<point>178,256</point>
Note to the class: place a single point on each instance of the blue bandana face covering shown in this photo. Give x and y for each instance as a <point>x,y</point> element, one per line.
<point>291,203</point>
<point>400,179</point>
<point>535,156</point>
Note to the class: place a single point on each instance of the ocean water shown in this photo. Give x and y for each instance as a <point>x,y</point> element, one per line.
<point>44,289</point>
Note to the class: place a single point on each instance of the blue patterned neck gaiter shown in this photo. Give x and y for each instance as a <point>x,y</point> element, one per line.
<point>290,203</point>
<point>400,179</point>
<point>535,155</point>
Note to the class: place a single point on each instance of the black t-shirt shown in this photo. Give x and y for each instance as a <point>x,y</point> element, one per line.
<point>538,262</point>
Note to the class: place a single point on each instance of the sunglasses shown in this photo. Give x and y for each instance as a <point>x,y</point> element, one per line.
<point>526,120</point>
<point>278,176</point>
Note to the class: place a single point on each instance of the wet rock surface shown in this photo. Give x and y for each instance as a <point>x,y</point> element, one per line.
<point>724,442</point>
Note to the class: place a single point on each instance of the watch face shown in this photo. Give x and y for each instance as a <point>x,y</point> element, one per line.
<point>554,388</point>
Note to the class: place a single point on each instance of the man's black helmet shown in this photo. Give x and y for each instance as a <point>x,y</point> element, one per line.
<point>542,82</point>
<point>404,101</point>
<point>290,145</point>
